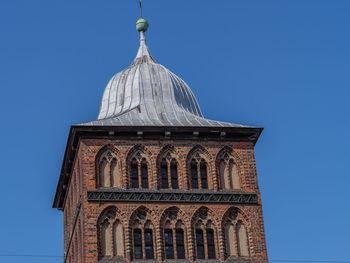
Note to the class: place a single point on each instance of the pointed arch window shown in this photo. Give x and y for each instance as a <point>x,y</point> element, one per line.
<point>164,174</point>
<point>173,231</point>
<point>143,236</point>
<point>149,244</point>
<point>169,173</point>
<point>139,172</point>
<point>210,243</point>
<point>200,243</point>
<point>109,170</point>
<point>236,238</point>
<point>134,174</point>
<point>242,240</point>
<point>205,235</point>
<point>205,241</point>
<point>169,244</point>
<point>106,239</point>
<point>118,239</point>
<point>144,174</point>
<point>104,173</point>
<point>228,173</point>
<point>111,235</point>
<point>174,174</point>
<point>199,174</point>
<point>138,243</point>
<point>229,240</point>
<point>180,242</point>
<point>204,175</point>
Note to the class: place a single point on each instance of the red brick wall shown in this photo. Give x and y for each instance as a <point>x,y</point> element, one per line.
<point>84,244</point>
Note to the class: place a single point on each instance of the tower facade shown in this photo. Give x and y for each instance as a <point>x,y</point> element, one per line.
<point>152,179</point>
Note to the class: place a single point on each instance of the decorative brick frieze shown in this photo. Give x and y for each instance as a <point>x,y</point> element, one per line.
<point>172,196</point>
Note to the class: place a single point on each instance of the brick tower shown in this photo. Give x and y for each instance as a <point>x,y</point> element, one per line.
<point>152,179</point>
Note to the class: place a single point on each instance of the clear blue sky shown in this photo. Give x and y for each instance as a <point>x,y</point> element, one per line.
<point>282,65</point>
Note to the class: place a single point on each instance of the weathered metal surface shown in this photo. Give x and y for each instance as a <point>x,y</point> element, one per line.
<point>171,196</point>
<point>148,94</point>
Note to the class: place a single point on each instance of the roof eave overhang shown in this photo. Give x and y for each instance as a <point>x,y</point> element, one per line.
<point>250,134</point>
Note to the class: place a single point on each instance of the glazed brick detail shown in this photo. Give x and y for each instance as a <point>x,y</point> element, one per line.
<point>81,242</point>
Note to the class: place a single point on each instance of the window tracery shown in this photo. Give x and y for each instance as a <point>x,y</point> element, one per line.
<point>143,235</point>
<point>228,172</point>
<point>198,169</point>
<point>236,236</point>
<point>109,174</point>
<point>168,170</point>
<point>139,170</point>
<point>111,234</point>
<point>205,233</point>
<point>174,234</point>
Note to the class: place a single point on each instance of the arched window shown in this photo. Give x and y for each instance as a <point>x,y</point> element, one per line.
<point>229,240</point>
<point>109,170</point>
<point>228,172</point>
<point>137,240</point>
<point>205,235</point>
<point>105,173</point>
<point>149,248</point>
<point>204,174</point>
<point>199,174</point>
<point>111,234</point>
<point>139,171</point>
<point>106,239</point>
<point>173,231</point>
<point>115,176</point>
<point>144,174</point>
<point>134,174</point>
<point>174,174</point>
<point>118,239</point>
<point>225,182</point>
<point>198,169</point>
<point>164,174</point>
<point>210,240</point>
<point>194,175</point>
<point>168,241</point>
<point>168,169</point>
<point>143,238</point>
<point>242,240</point>
<point>180,240</point>
<point>236,239</point>
<point>200,242</point>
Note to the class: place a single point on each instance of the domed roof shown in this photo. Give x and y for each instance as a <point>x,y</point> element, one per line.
<point>148,94</point>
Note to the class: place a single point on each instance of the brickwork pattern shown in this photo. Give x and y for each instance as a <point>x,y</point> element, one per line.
<point>81,238</point>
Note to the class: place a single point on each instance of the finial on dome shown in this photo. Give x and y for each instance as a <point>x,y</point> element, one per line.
<point>141,24</point>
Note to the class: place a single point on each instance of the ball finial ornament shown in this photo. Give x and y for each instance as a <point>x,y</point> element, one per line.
<point>141,25</point>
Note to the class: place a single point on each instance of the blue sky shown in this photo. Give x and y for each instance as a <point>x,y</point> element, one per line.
<point>282,65</point>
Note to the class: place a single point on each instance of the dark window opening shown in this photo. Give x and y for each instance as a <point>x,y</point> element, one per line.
<point>200,244</point>
<point>204,177</point>
<point>137,244</point>
<point>164,174</point>
<point>174,177</point>
<point>134,176</point>
<point>211,243</point>
<point>180,244</point>
<point>169,246</point>
<point>144,176</point>
<point>194,176</point>
<point>149,244</point>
